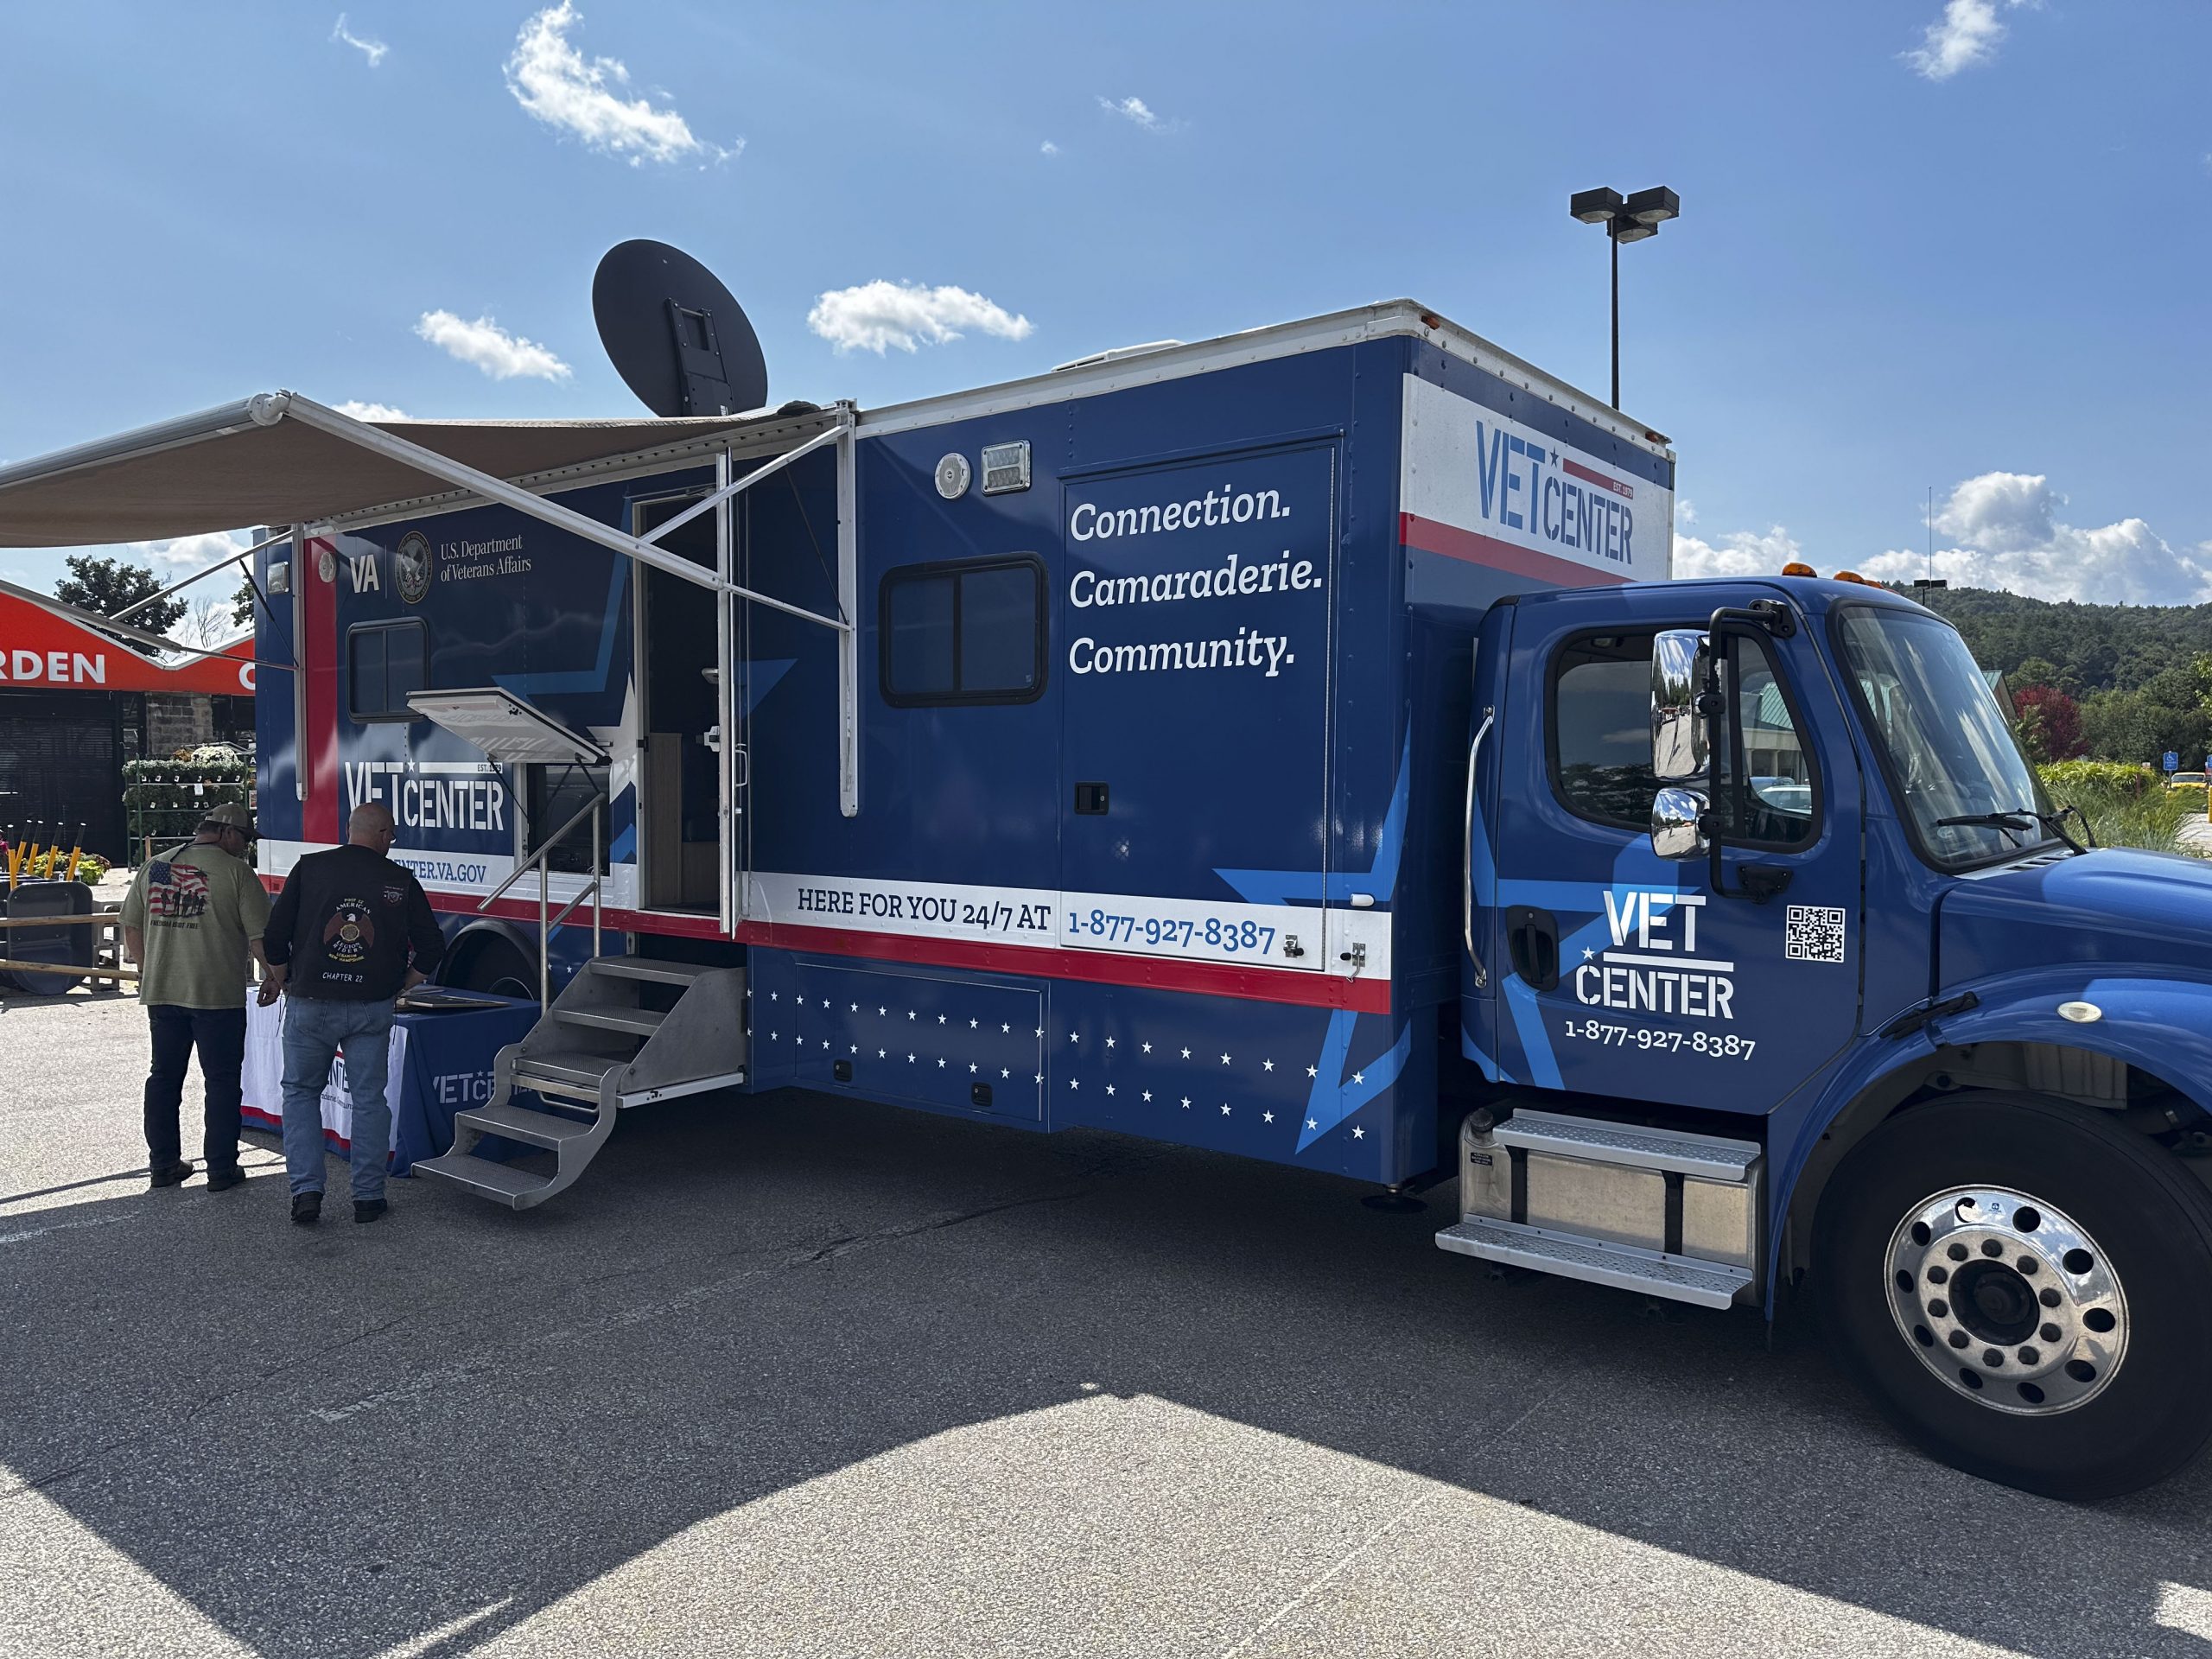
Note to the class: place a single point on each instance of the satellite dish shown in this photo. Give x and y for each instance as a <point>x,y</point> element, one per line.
<point>674,333</point>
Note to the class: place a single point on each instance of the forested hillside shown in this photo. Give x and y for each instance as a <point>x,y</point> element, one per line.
<point>2117,682</point>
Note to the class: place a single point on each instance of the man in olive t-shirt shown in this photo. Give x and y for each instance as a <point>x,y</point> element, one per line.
<point>193,919</point>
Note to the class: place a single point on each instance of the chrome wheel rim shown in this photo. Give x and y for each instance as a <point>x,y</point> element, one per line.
<point>2008,1300</point>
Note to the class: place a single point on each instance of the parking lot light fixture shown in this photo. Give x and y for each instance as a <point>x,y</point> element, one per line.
<point>1630,218</point>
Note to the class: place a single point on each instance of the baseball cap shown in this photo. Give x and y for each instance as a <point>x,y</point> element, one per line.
<point>229,815</point>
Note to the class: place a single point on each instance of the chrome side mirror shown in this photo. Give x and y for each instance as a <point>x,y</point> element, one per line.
<point>1679,661</point>
<point>1678,826</point>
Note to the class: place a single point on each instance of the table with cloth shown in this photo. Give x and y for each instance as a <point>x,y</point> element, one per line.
<point>441,1065</point>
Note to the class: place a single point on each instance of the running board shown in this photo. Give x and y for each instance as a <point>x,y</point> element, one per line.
<point>1675,1278</point>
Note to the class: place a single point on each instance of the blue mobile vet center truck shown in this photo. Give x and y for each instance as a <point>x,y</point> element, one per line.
<point>1289,744</point>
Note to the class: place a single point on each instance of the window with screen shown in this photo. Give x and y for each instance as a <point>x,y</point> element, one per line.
<point>972,633</point>
<point>385,662</point>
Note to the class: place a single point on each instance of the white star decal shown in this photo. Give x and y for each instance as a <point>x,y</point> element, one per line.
<point>1040,1031</point>
<point>1224,1059</point>
<point>1225,1108</point>
<point>1072,1084</point>
<point>1310,1071</point>
<point>1148,1094</point>
<point>855,1007</point>
<point>775,1036</point>
<point>1147,1048</point>
<point>940,1018</point>
<point>1312,1123</point>
<point>1005,1072</point>
<point>825,1042</point>
<point>1040,1077</point>
<point>1110,1087</point>
<point>909,1060</point>
<point>972,1066</point>
<point>1187,1103</point>
<point>879,1014</point>
<point>881,1054</point>
<point>1588,955</point>
<point>909,1014</point>
<point>1267,1117</point>
<point>1359,1077</point>
<point>1359,1134</point>
<point>773,996</point>
<point>1186,1053</point>
<point>1005,1028</point>
<point>1110,1042</point>
<point>1071,1036</point>
<point>800,1001</point>
<point>1266,1065</point>
<point>971,1025</point>
<point>748,992</point>
<point>940,1062</point>
<point>855,1048</point>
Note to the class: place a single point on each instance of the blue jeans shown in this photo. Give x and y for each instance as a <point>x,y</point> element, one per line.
<point>314,1029</point>
<point>220,1034</point>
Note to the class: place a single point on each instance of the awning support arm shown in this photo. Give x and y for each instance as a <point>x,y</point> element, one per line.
<point>270,408</point>
<point>77,613</point>
<point>708,503</point>
<point>198,576</point>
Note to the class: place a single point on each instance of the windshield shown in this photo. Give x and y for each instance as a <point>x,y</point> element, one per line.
<point>1950,749</point>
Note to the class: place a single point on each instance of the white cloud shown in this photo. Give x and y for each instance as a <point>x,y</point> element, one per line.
<point>1965,36</point>
<point>562,88</point>
<point>1048,148</point>
<point>361,412</point>
<point>179,559</point>
<point>1740,553</point>
<point>1135,112</point>
<point>372,50</point>
<point>877,315</point>
<point>2007,534</point>
<point>490,347</point>
<point>1684,512</point>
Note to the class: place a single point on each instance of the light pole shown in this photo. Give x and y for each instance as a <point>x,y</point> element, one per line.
<point>1626,219</point>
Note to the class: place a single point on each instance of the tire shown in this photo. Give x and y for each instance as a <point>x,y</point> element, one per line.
<point>2110,1224</point>
<point>490,962</point>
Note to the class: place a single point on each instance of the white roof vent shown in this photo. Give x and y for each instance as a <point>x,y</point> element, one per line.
<point>1115,355</point>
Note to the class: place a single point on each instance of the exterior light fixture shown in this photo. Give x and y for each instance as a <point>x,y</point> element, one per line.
<point>1626,218</point>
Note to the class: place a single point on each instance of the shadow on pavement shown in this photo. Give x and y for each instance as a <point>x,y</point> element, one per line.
<point>344,1439</point>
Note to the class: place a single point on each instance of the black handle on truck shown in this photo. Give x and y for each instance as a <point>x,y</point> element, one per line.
<point>1532,935</point>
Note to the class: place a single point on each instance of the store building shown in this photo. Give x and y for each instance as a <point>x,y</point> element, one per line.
<point>76,704</point>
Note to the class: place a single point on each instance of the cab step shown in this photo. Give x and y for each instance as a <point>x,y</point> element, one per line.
<point>517,1189</point>
<point>1624,1267</point>
<point>634,1022</point>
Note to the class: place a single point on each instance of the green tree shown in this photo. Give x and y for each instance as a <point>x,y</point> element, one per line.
<point>242,602</point>
<point>2041,671</point>
<point>96,583</point>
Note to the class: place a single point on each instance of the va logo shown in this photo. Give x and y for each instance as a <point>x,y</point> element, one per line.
<point>411,563</point>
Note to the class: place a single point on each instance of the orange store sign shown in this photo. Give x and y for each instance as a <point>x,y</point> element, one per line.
<point>38,649</point>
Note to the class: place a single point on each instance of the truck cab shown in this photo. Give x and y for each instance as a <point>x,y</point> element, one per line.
<point>1783,975</point>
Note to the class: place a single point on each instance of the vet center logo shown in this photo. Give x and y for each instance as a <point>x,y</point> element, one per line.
<point>411,561</point>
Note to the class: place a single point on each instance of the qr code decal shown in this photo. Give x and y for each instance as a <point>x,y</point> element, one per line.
<point>1815,934</point>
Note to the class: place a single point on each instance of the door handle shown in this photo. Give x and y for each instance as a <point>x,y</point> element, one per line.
<point>1467,855</point>
<point>1531,937</point>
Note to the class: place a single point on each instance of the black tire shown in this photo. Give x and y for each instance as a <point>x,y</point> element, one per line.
<point>2150,1215</point>
<point>491,962</point>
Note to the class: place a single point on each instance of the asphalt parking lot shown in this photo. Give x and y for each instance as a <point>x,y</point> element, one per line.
<point>787,1377</point>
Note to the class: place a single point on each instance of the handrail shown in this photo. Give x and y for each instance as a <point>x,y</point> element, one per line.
<point>545,850</point>
<point>546,924</point>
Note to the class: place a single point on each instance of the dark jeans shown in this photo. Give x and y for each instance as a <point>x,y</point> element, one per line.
<point>220,1034</point>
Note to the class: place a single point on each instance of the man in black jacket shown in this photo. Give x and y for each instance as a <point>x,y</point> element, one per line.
<point>349,932</point>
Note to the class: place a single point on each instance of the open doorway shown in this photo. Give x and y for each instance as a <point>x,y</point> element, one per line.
<point>679,775</point>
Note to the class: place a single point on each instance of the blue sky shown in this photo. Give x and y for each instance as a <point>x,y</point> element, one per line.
<point>1951,243</point>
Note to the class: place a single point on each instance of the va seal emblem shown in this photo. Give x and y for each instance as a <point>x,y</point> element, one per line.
<point>412,565</point>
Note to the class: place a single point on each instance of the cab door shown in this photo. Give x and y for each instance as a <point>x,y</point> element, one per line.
<point>1628,975</point>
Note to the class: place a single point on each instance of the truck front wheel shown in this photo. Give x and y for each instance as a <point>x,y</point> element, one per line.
<point>2025,1288</point>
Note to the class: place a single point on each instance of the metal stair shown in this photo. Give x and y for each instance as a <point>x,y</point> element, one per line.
<point>602,1046</point>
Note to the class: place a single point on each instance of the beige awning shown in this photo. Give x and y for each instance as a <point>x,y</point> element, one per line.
<point>225,469</point>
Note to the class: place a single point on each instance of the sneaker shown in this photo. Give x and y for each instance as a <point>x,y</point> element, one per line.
<point>368,1209</point>
<point>306,1208</point>
<point>222,1181</point>
<point>174,1175</point>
